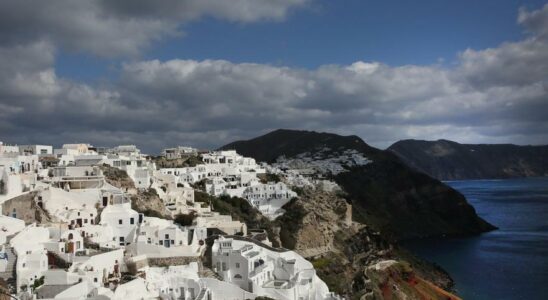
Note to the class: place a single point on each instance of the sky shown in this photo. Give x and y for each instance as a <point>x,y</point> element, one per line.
<point>207,72</point>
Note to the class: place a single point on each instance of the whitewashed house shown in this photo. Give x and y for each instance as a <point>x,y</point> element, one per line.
<point>101,269</point>
<point>35,149</point>
<point>123,221</point>
<point>269,198</point>
<point>162,238</point>
<point>32,260</point>
<point>266,271</point>
<point>179,152</point>
<point>224,223</point>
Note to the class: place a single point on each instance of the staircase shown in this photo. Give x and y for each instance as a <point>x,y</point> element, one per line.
<point>10,273</point>
<point>201,295</point>
<point>206,272</point>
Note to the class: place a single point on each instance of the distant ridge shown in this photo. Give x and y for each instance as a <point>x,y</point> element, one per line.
<point>386,194</point>
<point>448,160</point>
<point>289,142</point>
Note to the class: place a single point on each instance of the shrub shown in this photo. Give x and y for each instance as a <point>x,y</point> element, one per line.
<point>185,219</point>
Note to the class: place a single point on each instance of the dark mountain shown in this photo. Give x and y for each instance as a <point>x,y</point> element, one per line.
<point>448,160</point>
<point>386,194</point>
<point>286,142</point>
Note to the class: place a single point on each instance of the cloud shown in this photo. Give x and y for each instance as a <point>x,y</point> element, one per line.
<point>125,27</point>
<point>536,21</point>
<point>492,95</point>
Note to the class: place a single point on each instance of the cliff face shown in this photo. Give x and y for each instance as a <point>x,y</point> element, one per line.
<point>447,160</point>
<point>385,194</point>
<point>143,201</point>
<point>318,226</point>
<point>26,208</point>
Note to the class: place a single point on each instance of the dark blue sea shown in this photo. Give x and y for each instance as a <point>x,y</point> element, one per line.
<point>509,263</point>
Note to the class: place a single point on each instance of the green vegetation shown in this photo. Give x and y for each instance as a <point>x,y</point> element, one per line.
<point>320,263</point>
<point>240,210</point>
<point>291,222</point>
<point>188,161</point>
<point>333,270</point>
<point>269,177</point>
<point>38,282</point>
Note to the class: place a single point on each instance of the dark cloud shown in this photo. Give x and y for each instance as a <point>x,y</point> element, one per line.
<point>492,95</point>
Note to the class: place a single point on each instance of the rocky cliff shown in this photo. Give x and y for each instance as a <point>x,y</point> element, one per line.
<point>143,201</point>
<point>318,226</point>
<point>385,194</point>
<point>447,160</point>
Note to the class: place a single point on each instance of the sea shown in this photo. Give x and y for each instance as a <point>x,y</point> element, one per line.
<point>508,263</point>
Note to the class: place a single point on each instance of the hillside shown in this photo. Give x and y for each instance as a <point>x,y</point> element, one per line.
<point>386,194</point>
<point>317,226</point>
<point>448,160</point>
<point>344,253</point>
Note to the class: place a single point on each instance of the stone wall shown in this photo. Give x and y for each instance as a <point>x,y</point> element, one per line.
<point>25,209</point>
<point>171,261</point>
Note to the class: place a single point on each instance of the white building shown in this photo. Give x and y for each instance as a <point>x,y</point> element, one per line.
<point>8,148</point>
<point>126,150</point>
<point>162,238</point>
<point>179,152</point>
<point>178,197</point>
<point>123,221</point>
<point>32,260</point>
<point>224,223</point>
<point>269,198</point>
<point>266,271</point>
<point>35,149</point>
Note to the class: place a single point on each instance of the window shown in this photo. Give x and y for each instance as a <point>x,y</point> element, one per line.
<point>161,243</point>
<point>167,236</point>
<point>131,221</point>
<point>121,239</point>
<point>237,266</point>
<point>95,279</point>
<point>85,221</point>
<point>120,221</point>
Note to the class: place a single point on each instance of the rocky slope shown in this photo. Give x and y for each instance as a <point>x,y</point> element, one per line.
<point>385,194</point>
<point>447,160</point>
<point>26,208</point>
<point>318,226</point>
<point>143,201</point>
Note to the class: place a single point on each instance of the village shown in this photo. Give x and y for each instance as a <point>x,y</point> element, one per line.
<point>69,231</point>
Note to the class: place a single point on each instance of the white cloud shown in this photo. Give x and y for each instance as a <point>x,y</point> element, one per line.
<point>493,95</point>
<point>122,27</point>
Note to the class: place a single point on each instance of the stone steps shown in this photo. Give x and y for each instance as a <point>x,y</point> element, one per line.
<point>201,295</point>
<point>208,273</point>
<point>9,275</point>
